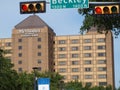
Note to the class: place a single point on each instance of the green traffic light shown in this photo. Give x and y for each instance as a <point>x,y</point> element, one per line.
<point>38,6</point>
<point>114,9</point>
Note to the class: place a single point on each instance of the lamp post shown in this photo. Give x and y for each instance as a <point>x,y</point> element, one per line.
<point>35,78</point>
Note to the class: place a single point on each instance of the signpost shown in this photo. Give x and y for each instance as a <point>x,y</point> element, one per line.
<point>59,4</point>
<point>43,84</point>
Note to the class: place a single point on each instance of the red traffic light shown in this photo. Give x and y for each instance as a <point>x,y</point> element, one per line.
<point>98,10</point>
<point>106,9</point>
<point>32,7</point>
<point>24,7</point>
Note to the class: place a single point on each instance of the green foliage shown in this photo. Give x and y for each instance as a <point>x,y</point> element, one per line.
<point>118,88</point>
<point>101,22</point>
<point>73,85</point>
<point>8,76</point>
<point>25,81</point>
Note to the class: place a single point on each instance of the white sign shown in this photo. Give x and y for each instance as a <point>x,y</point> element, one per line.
<point>43,87</point>
<point>29,32</point>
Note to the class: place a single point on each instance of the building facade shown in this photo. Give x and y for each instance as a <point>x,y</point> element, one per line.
<point>87,58</point>
<point>6,44</point>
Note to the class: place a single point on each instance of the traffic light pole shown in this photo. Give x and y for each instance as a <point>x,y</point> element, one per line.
<point>35,78</point>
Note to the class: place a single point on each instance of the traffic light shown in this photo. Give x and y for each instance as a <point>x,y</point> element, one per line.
<point>32,7</point>
<point>102,8</point>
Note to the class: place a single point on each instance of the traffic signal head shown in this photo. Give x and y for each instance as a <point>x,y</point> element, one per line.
<point>101,8</point>
<point>32,7</point>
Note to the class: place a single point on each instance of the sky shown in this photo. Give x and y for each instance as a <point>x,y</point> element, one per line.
<point>62,21</point>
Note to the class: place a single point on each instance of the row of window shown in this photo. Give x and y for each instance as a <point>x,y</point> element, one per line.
<point>38,39</point>
<point>73,41</point>
<point>99,83</point>
<point>76,48</point>
<point>88,69</point>
<point>78,62</point>
<point>20,47</point>
<point>21,54</point>
<point>99,76</point>
<point>72,55</point>
<point>102,54</point>
<point>76,41</point>
<point>20,69</point>
<point>38,61</point>
<point>6,44</point>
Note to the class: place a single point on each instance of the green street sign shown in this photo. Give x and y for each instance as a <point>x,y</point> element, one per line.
<point>59,4</point>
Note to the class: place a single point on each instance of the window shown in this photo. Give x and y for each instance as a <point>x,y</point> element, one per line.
<point>101,47</point>
<point>62,55</point>
<point>39,53</point>
<point>62,42</point>
<point>74,41</point>
<point>88,83</point>
<point>39,61</point>
<point>62,48</point>
<point>87,61</point>
<point>20,70</point>
<point>75,55</point>
<point>62,70</point>
<point>19,40</point>
<point>39,46</point>
<point>88,69</point>
<point>102,68</point>
<point>39,69</point>
<point>88,76</point>
<point>76,77</point>
<point>101,40</point>
<point>39,39</point>
<point>64,76</point>
<point>74,48</point>
<point>19,54</point>
<point>75,62</point>
<point>101,54</point>
<point>87,47</point>
<point>101,61</point>
<point>101,76</point>
<point>75,69</point>
<point>87,40</point>
<point>102,83</point>
<point>19,47</point>
<point>8,44</point>
<point>62,62</point>
<point>87,55</point>
<point>8,51</point>
<point>20,62</point>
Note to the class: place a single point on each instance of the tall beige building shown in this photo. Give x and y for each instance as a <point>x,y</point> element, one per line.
<point>87,58</point>
<point>32,45</point>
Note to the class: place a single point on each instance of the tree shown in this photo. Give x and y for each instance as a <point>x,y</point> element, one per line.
<point>102,23</point>
<point>25,81</point>
<point>74,85</point>
<point>8,76</point>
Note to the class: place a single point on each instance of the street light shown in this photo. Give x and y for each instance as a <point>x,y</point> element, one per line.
<point>35,78</point>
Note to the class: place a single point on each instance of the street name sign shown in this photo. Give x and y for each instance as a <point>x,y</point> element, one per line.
<point>61,4</point>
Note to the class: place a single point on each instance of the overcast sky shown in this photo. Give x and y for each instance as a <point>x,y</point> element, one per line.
<point>63,21</point>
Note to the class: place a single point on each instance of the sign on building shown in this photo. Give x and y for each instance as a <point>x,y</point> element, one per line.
<point>43,84</point>
<point>59,4</point>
